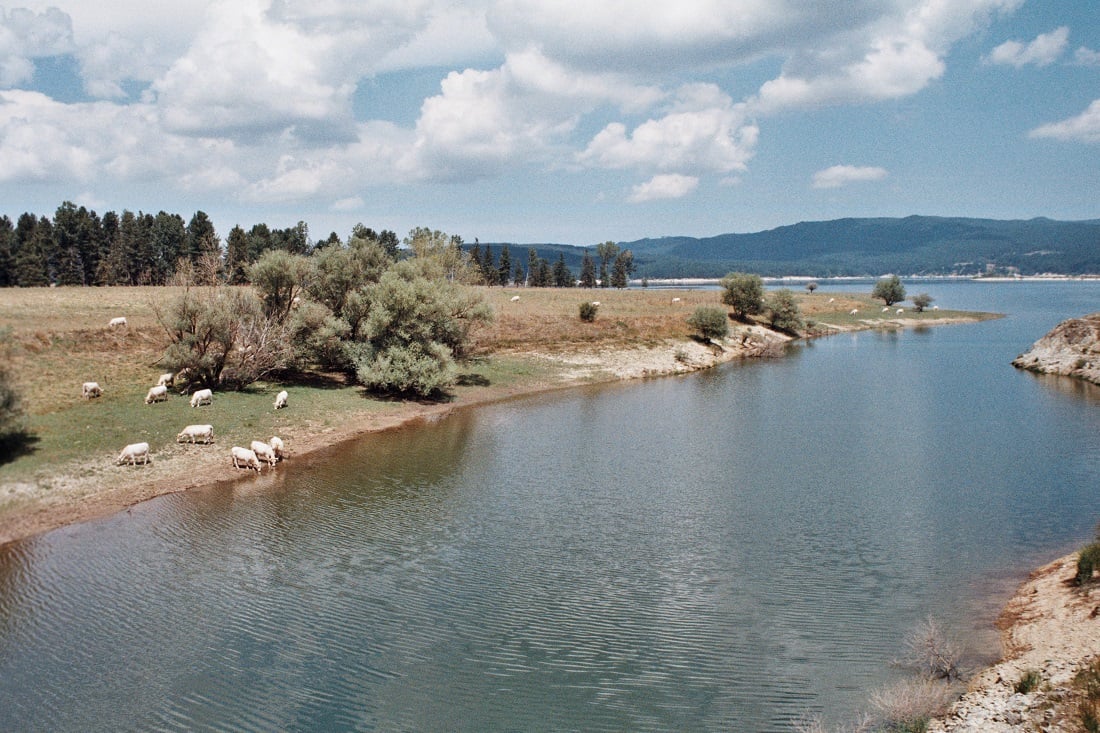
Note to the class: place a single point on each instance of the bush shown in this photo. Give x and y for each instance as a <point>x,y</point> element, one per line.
<point>922,301</point>
<point>1087,561</point>
<point>710,322</point>
<point>588,311</point>
<point>11,404</point>
<point>909,705</point>
<point>1029,680</point>
<point>931,653</point>
<point>421,369</point>
<point>786,315</point>
<point>744,293</point>
<point>889,290</point>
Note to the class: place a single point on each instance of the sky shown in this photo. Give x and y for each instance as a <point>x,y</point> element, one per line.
<point>573,121</point>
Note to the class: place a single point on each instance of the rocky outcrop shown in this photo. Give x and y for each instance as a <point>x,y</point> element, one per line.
<point>1072,349</point>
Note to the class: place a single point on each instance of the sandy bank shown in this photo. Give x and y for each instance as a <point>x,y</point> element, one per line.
<point>1050,626</point>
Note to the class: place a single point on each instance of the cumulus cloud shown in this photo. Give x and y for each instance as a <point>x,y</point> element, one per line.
<point>1084,128</point>
<point>1086,57</point>
<point>703,131</point>
<point>484,120</point>
<point>1043,51</point>
<point>26,35</point>
<point>664,186</point>
<point>841,175</point>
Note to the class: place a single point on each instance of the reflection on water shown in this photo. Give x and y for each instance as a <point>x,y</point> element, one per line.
<point>724,551</point>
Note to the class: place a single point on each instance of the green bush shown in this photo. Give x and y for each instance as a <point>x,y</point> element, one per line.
<point>710,322</point>
<point>1029,681</point>
<point>1087,561</point>
<point>588,311</point>
<point>744,293</point>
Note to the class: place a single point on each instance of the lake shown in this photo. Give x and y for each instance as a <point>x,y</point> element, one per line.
<point>723,551</point>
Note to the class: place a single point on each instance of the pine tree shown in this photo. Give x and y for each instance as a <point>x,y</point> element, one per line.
<point>504,268</point>
<point>588,271</point>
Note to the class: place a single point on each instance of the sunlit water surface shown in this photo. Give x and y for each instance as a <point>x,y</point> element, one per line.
<point>726,551</point>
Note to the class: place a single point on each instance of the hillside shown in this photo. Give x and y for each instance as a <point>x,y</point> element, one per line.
<point>914,245</point>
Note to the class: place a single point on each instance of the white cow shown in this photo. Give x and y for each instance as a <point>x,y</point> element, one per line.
<point>596,303</point>
<point>202,397</point>
<point>515,298</point>
<point>280,400</point>
<point>194,433</point>
<point>132,453</point>
<point>245,456</point>
<point>90,389</point>
<point>675,300</point>
<point>263,451</point>
<point>117,322</point>
<point>900,311</point>
<point>167,379</point>
<point>158,393</point>
<point>853,311</point>
<point>277,445</point>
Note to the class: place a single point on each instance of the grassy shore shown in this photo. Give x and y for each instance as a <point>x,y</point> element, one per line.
<point>66,472</point>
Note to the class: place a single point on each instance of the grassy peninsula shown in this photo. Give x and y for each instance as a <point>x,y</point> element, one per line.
<point>65,470</point>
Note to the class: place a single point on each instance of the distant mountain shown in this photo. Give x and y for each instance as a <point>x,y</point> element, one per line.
<point>914,245</point>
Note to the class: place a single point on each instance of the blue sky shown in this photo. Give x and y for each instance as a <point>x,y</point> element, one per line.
<point>534,121</point>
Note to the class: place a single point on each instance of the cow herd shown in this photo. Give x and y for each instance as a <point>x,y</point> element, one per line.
<point>251,458</point>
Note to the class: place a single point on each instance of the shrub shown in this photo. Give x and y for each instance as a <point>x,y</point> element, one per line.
<point>889,290</point>
<point>588,311</point>
<point>908,706</point>
<point>931,653</point>
<point>710,322</point>
<point>11,409</point>
<point>786,315</point>
<point>922,301</point>
<point>1029,681</point>
<point>1087,685</point>
<point>744,293</point>
<point>1087,561</point>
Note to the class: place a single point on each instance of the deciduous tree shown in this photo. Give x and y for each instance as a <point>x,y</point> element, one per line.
<point>889,290</point>
<point>744,293</point>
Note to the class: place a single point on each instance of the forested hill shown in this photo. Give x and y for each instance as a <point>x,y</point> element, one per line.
<point>915,245</point>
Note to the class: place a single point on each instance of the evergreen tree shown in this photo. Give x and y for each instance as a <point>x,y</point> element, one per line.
<point>546,277</point>
<point>532,267</point>
<point>33,239</point>
<point>519,277</point>
<point>607,252</point>
<point>475,258</point>
<point>622,269</point>
<point>562,276</point>
<point>388,239</point>
<point>488,267</point>
<point>7,261</point>
<point>107,241</point>
<point>588,271</point>
<point>201,237</point>
<point>236,256</point>
<point>504,268</point>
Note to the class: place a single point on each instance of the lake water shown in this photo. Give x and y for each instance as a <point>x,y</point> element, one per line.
<point>723,551</point>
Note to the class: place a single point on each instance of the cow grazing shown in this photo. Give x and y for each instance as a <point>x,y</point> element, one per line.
<point>280,400</point>
<point>263,451</point>
<point>195,433</point>
<point>515,298</point>
<point>158,393</point>
<point>277,446</point>
<point>167,379</point>
<point>202,397</point>
<point>246,457</point>
<point>90,389</point>
<point>117,322</point>
<point>131,453</point>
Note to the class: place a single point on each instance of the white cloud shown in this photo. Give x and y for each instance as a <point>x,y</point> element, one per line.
<point>664,186</point>
<point>1086,57</point>
<point>25,36</point>
<point>351,203</point>
<point>1084,128</point>
<point>484,120</point>
<point>842,175</point>
<point>704,131</point>
<point>1043,51</point>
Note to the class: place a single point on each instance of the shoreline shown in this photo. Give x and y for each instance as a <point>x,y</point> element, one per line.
<point>1051,627</point>
<point>74,499</point>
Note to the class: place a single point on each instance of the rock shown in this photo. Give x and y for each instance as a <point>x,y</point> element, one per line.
<point>1071,349</point>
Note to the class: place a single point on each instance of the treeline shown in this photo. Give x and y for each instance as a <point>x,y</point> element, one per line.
<point>78,247</point>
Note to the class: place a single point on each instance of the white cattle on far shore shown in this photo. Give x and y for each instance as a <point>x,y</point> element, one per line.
<point>90,389</point>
